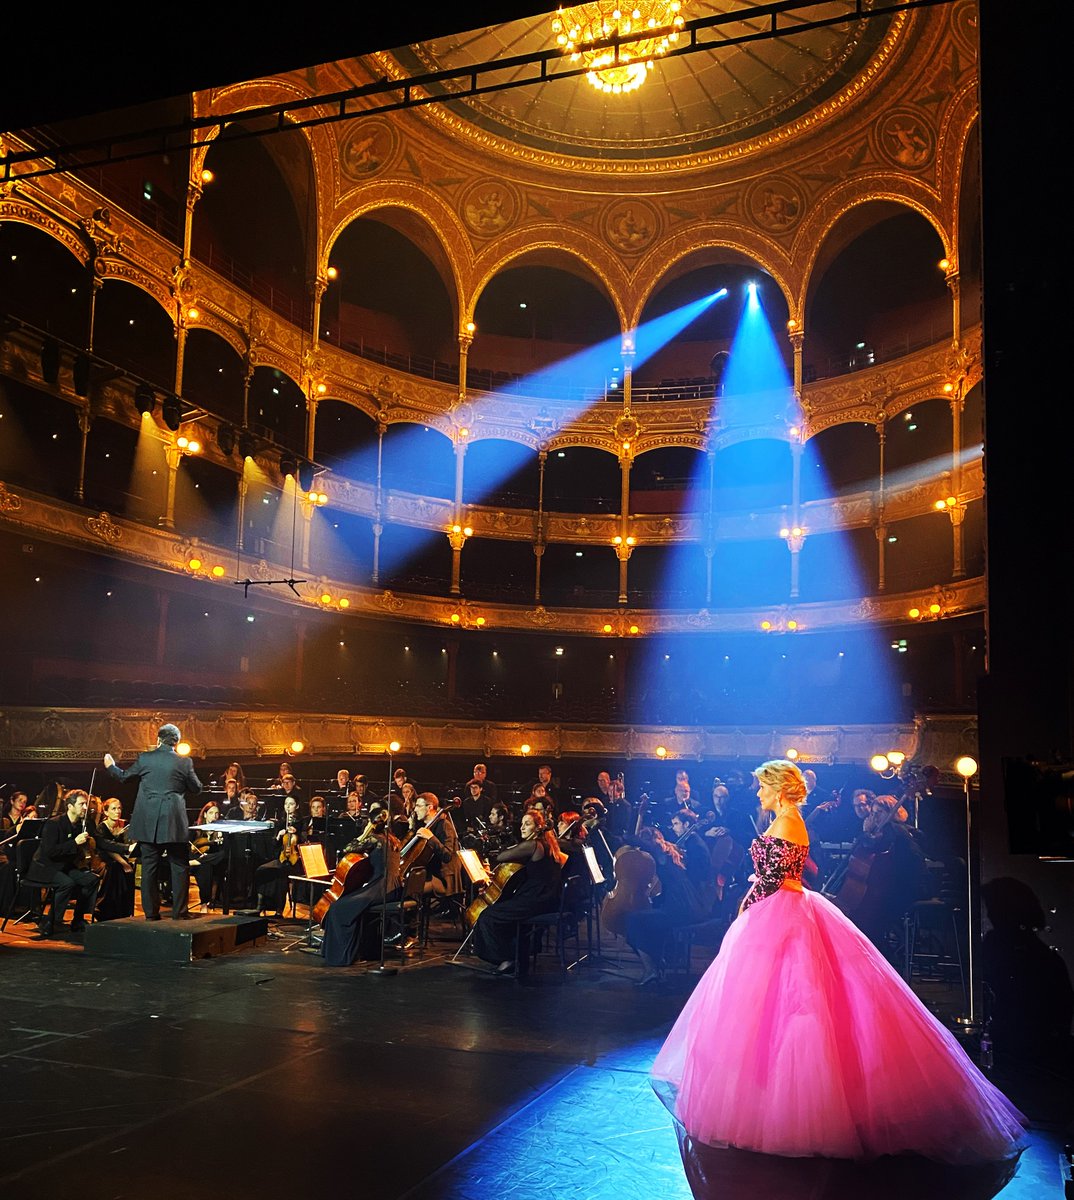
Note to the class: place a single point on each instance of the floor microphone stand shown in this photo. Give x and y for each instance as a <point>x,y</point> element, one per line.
<point>381,969</point>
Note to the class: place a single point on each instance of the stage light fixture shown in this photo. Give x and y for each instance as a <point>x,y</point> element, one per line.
<point>172,412</point>
<point>225,439</point>
<point>144,398</point>
<point>80,374</point>
<point>288,464</point>
<point>305,474</point>
<point>50,361</point>
<point>247,444</point>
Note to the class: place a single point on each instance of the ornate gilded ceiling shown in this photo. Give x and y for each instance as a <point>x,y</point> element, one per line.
<point>690,103</point>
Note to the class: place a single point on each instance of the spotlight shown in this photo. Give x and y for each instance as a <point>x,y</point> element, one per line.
<point>525,748</point>
<point>718,366</point>
<point>225,439</point>
<point>661,752</point>
<point>720,294</point>
<point>50,361</point>
<point>305,475</point>
<point>297,746</point>
<point>144,398</point>
<point>792,754</point>
<point>183,748</point>
<point>395,747</point>
<point>247,444</point>
<point>172,412</point>
<point>288,464</point>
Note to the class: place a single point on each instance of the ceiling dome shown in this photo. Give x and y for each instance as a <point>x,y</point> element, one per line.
<point>690,104</point>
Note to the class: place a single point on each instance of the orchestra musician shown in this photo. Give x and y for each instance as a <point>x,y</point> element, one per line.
<point>343,924</point>
<point>535,891</point>
<point>62,859</point>
<point>116,896</point>
<point>159,822</point>
<point>676,905</point>
<point>501,831</point>
<point>207,854</point>
<point>270,879</point>
<point>431,823</point>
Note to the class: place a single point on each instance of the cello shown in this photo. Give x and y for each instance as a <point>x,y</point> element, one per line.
<point>353,871</point>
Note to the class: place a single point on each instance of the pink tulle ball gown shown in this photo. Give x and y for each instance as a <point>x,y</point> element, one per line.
<point>802,1040</point>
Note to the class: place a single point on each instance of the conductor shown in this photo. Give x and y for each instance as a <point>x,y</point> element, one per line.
<point>159,822</point>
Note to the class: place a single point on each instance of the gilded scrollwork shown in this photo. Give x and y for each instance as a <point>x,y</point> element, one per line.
<point>102,526</point>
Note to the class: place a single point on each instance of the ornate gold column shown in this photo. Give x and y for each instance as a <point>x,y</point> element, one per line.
<point>378,518</point>
<point>466,340</point>
<point>796,334</point>
<point>307,527</point>
<point>624,542</point>
<point>709,543</point>
<point>950,274</point>
<point>318,285</point>
<point>793,533</point>
<point>458,534</point>
<point>538,541</point>
<point>881,522</point>
<point>85,420</point>
<point>173,456</point>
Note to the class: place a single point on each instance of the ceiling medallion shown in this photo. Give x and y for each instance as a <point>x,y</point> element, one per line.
<point>610,68</point>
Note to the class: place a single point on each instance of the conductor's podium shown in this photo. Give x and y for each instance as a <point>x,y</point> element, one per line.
<point>168,941</point>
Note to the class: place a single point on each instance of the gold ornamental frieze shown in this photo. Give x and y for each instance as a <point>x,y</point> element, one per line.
<point>73,735</point>
<point>13,207</point>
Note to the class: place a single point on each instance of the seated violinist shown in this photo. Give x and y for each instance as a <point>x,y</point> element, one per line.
<point>695,856</point>
<point>571,834</point>
<point>207,854</point>
<point>535,891</point>
<point>116,895</point>
<point>270,878</point>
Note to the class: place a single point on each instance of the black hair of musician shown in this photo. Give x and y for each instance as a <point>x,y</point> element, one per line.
<point>169,734</point>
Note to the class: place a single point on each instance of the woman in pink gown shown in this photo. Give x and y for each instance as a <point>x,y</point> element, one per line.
<point>801,1039</point>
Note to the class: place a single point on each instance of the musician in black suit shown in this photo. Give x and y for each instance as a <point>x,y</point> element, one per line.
<point>62,861</point>
<point>430,822</point>
<point>159,822</point>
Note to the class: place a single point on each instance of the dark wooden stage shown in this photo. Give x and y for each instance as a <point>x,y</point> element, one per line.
<point>263,1073</point>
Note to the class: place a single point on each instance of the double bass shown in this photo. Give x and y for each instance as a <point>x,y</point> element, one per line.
<point>635,877</point>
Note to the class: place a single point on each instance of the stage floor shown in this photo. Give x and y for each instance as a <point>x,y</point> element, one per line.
<point>265,1073</point>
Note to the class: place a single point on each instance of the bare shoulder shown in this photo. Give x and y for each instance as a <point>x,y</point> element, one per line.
<point>790,826</point>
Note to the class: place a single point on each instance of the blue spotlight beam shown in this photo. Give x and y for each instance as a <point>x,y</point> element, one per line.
<point>586,378</point>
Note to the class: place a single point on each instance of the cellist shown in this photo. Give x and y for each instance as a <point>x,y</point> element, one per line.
<point>343,922</point>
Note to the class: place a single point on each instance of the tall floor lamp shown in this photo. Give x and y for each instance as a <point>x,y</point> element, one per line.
<point>393,749</point>
<point>967,768</point>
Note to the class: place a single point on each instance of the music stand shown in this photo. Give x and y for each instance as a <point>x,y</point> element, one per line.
<point>317,875</point>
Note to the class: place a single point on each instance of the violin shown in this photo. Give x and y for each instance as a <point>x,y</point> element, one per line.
<point>289,845</point>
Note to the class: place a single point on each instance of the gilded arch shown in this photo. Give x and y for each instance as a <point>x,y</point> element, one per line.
<point>439,217</point>
<point>21,212</point>
<point>589,251</point>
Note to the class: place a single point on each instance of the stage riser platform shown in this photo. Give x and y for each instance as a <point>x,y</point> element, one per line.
<point>164,941</point>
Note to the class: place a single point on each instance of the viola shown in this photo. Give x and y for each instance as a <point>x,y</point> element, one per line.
<point>499,885</point>
<point>635,874</point>
<point>353,871</point>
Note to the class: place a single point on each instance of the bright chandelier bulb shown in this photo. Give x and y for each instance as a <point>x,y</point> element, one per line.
<point>578,27</point>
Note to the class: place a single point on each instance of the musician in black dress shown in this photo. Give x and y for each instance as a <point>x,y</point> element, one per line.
<point>344,923</point>
<point>116,896</point>
<point>208,854</point>
<point>535,891</point>
<point>62,859</point>
<point>270,879</point>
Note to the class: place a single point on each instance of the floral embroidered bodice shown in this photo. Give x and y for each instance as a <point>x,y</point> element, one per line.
<point>774,860</point>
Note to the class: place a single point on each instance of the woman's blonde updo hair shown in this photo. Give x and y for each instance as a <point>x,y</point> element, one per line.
<point>785,777</point>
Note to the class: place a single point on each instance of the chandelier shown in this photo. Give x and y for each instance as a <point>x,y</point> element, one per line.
<point>577,28</point>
